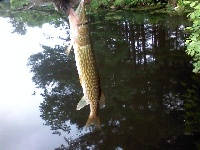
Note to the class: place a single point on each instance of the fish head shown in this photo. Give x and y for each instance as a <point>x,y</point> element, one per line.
<point>81,13</point>
<point>77,18</point>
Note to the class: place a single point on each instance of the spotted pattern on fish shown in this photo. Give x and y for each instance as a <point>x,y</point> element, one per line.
<point>86,64</point>
<point>88,69</point>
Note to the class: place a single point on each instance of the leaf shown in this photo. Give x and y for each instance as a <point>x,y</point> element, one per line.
<point>187,42</point>
<point>192,4</point>
<point>186,2</point>
<point>192,16</point>
<point>188,28</point>
<point>197,7</point>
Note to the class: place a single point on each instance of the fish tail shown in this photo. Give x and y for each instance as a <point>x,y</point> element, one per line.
<point>93,120</point>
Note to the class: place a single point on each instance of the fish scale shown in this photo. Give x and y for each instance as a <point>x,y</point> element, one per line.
<point>86,64</point>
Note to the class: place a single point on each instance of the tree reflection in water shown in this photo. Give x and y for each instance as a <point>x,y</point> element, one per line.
<point>145,74</point>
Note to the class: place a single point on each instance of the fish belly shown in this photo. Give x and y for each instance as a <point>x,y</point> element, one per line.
<point>86,66</point>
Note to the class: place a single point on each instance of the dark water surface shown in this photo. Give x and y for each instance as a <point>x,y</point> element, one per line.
<point>152,96</point>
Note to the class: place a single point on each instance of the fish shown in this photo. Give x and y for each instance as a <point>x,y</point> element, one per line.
<point>86,64</point>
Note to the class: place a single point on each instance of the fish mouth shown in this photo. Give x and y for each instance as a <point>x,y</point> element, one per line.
<point>81,14</point>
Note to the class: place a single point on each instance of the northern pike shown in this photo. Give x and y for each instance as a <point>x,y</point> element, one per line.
<point>86,64</point>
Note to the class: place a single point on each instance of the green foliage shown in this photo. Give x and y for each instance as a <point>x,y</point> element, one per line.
<point>16,3</point>
<point>119,3</point>
<point>193,42</point>
<point>127,2</point>
<point>96,4</point>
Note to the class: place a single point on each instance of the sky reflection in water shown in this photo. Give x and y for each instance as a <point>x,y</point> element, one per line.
<point>21,127</point>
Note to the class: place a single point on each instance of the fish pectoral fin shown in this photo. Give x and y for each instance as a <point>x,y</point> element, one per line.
<point>102,100</point>
<point>69,49</point>
<point>82,103</point>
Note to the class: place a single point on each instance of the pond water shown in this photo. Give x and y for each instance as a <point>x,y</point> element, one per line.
<point>151,93</point>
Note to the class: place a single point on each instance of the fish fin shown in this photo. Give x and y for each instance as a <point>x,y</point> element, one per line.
<point>82,103</point>
<point>93,120</point>
<point>102,100</point>
<point>68,49</point>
